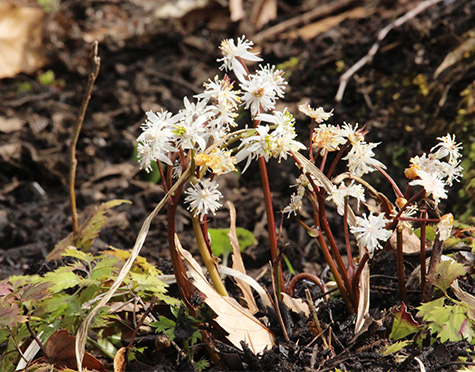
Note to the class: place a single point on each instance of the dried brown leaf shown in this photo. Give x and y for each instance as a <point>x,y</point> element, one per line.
<point>240,324</point>
<point>238,264</point>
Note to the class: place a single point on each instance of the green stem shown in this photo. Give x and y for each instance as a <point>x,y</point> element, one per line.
<point>208,259</point>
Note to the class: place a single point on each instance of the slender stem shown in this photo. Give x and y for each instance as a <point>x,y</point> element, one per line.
<point>327,255</point>
<point>96,64</point>
<point>391,181</point>
<point>334,248</point>
<point>208,259</point>
<point>393,224</point>
<point>184,286</point>
<point>435,255</point>
<point>400,265</point>
<point>423,250</point>
<point>337,159</point>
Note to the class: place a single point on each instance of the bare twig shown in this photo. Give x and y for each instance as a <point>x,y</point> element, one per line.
<point>302,19</point>
<point>374,49</point>
<point>96,64</point>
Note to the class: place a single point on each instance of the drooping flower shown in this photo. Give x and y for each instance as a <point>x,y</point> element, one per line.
<point>233,52</point>
<point>318,114</point>
<point>203,198</point>
<point>369,231</point>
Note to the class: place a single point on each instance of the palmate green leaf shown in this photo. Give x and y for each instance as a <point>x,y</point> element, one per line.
<point>104,268</point>
<point>457,327</point>
<point>445,273</point>
<point>80,255</point>
<point>427,308</point>
<point>10,313</point>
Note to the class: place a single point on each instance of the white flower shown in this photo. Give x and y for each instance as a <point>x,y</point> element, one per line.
<point>447,146</point>
<point>258,94</point>
<point>280,118</point>
<point>318,114</point>
<point>232,53</point>
<point>327,138</point>
<point>221,91</point>
<point>284,142</point>
<point>432,183</point>
<point>369,231</point>
<point>339,194</point>
<point>255,146</point>
<point>203,198</point>
<point>360,159</point>
<point>191,129</point>
<point>274,77</point>
<point>353,134</point>
<point>220,161</point>
<point>156,140</point>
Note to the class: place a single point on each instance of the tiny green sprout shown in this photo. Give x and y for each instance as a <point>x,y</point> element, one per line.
<point>220,245</point>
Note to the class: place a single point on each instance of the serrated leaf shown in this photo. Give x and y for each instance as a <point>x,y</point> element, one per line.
<point>455,327</point>
<point>426,308</point>
<point>140,262</point>
<point>166,326</point>
<point>404,324</point>
<point>394,348</point>
<point>62,280</point>
<point>145,282</point>
<point>80,255</point>
<point>11,314</point>
<point>445,273</point>
<point>88,231</point>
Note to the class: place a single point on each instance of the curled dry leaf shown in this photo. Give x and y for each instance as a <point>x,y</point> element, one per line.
<point>240,324</point>
<point>60,351</point>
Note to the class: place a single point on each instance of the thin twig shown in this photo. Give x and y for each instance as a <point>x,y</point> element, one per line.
<point>96,64</point>
<point>35,337</point>
<point>374,49</point>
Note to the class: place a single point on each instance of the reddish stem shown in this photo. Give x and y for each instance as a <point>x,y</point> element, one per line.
<point>400,266</point>
<point>423,250</point>
<point>359,270</point>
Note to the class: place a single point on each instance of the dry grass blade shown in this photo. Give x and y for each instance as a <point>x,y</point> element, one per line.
<point>240,324</point>
<point>309,167</point>
<point>82,332</point>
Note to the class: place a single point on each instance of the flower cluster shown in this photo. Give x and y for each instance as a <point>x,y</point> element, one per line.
<point>433,173</point>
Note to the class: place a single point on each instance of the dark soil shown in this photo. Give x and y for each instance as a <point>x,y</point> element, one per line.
<point>149,64</point>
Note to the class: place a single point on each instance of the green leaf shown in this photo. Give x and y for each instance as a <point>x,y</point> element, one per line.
<point>454,327</point>
<point>11,314</point>
<point>145,282</point>
<point>220,244</point>
<point>394,348</point>
<point>80,255</point>
<point>403,325</point>
<point>445,273</point>
<point>427,308</point>
<point>62,279</point>
<point>166,326</point>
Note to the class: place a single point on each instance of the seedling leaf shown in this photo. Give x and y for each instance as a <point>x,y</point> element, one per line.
<point>394,348</point>
<point>445,273</point>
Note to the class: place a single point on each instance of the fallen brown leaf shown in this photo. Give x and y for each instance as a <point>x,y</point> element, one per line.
<point>20,39</point>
